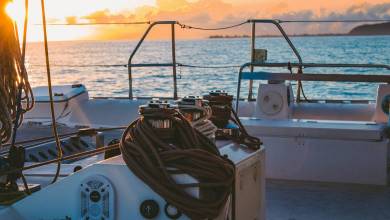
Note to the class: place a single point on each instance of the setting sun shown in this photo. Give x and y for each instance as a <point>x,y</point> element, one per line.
<point>15,9</point>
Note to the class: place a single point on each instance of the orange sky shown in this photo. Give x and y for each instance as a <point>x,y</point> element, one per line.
<point>209,13</point>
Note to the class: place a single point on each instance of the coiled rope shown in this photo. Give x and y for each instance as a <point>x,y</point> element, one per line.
<point>198,114</point>
<point>13,78</point>
<point>154,161</point>
<point>204,125</point>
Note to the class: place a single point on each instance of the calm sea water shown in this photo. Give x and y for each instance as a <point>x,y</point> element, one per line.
<point>113,81</point>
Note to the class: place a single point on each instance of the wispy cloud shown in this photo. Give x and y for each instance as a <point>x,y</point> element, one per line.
<point>213,13</point>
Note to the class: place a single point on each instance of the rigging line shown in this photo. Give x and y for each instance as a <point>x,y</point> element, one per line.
<point>24,46</point>
<point>208,67</point>
<point>86,65</point>
<point>334,21</point>
<point>41,140</point>
<point>97,23</point>
<point>219,28</point>
<point>19,116</point>
<point>53,118</point>
<point>211,29</point>
<point>125,65</point>
<point>70,157</point>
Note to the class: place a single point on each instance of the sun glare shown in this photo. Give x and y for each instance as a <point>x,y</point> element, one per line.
<point>15,9</point>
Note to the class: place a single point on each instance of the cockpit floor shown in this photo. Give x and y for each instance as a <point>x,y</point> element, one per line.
<point>309,201</point>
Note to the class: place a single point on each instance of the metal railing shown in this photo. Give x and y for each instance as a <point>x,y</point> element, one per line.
<point>253,45</point>
<point>173,64</point>
<point>263,75</point>
<point>252,64</point>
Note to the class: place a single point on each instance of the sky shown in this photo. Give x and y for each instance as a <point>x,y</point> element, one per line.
<point>204,13</point>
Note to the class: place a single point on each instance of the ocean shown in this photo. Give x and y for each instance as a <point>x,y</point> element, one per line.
<point>73,62</point>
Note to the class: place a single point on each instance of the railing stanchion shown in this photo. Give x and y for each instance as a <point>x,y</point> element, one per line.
<point>130,82</point>
<point>174,62</point>
<point>253,45</point>
<point>129,63</point>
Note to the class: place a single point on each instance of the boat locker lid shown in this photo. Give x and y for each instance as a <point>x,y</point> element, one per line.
<point>61,93</point>
<point>323,129</point>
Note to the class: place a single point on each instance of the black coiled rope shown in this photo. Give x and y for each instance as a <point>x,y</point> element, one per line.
<point>154,161</point>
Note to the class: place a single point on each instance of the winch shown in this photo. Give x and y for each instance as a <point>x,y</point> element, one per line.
<point>197,110</point>
<point>220,102</point>
<point>155,113</point>
<point>221,105</point>
<point>227,121</point>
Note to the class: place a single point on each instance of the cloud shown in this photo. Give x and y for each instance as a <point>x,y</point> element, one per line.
<point>106,16</point>
<point>215,13</point>
<point>364,11</point>
<point>355,12</point>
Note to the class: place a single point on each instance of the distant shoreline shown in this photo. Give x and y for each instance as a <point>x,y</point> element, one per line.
<point>381,29</point>
<point>294,35</point>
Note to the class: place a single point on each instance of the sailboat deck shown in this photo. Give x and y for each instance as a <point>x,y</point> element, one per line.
<point>285,200</point>
<point>294,200</point>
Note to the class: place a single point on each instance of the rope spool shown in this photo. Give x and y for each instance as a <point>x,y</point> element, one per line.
<point>162,143</point>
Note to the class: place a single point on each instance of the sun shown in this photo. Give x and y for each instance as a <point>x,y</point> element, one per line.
<point>15,9</point>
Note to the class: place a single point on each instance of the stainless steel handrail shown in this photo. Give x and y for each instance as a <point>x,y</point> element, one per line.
<point>312,77</point>
<point>173,64</point>
<point>253,42</point>
<point>277,24</point>
<point>252,64</point>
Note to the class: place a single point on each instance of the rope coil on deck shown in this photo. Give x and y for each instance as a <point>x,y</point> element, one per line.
<point>154,161</point>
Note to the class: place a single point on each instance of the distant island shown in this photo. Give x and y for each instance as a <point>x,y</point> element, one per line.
<point>271,35</point>
<point>372,29</point>
<point>365,29</point>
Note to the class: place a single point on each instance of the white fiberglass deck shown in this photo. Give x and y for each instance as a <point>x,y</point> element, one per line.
<point>285,200</point>
<point>290,200</point>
